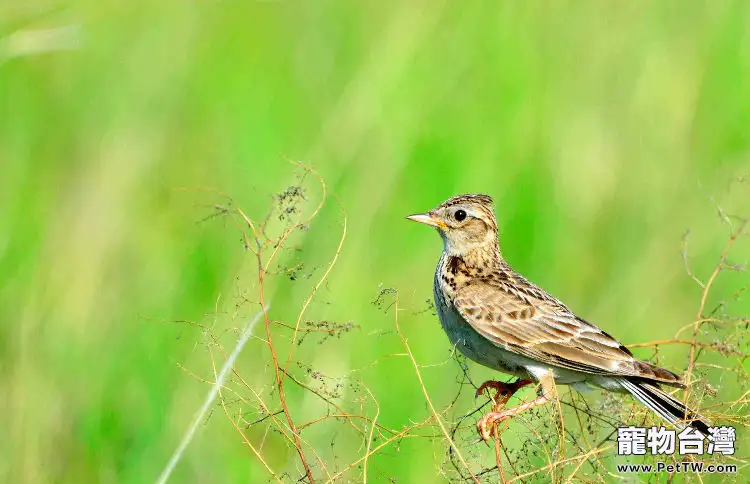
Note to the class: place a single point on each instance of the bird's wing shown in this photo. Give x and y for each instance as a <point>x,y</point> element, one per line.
<point>521,317</point>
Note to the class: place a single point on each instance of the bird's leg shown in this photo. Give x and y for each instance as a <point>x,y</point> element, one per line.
<point>546,393</point>
<point>503,391</point>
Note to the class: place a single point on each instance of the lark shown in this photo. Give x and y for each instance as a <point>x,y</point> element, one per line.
<point>499,319</point>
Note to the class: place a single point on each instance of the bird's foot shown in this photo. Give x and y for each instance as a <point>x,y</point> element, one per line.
<point>488,420</point>
<point>503,391</point>
<point>486,423</point>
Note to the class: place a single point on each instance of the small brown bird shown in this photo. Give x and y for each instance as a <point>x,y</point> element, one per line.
<point>499,319</point>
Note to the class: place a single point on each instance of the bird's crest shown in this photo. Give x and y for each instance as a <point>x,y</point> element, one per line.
<point>476,198</point>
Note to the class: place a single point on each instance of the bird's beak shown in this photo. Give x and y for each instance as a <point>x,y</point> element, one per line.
<point>427,219</point>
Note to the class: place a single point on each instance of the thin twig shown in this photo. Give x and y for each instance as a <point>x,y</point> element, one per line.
<point>212,394</point>
<point>428,399</point>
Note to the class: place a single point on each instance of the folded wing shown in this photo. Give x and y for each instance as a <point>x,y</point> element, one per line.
<point>515,314</point>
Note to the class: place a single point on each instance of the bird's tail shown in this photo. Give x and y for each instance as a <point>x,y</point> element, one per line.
<point>664,405</point>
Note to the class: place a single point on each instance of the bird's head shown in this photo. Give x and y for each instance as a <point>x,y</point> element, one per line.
<point>465,222</point>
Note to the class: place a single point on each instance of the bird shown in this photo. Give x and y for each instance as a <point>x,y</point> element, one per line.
<point>496,317</point>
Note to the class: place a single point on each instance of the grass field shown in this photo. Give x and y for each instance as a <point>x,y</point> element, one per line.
<point>605,133</point>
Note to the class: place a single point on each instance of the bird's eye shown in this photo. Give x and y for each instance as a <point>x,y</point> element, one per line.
<point>460,215</point>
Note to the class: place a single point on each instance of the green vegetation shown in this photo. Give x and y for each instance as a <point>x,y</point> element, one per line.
<point>604,132</point>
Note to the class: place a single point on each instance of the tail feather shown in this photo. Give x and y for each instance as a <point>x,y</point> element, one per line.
<point>664,405</point>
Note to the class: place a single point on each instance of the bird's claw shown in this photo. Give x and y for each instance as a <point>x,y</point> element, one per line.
<point>486,423</point>
<point>503,390</point>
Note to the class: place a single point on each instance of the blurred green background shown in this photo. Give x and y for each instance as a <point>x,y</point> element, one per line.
<point>603,131</point>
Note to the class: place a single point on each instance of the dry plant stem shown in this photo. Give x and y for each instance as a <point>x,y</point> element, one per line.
<point>242,399</point>
<point>552,465</point>
<point>498,445</point>
<point>684,342</point>
<point>269,340</point>
<point>580,423</point>
<point>369,437</point>
<point>258,232</point>
<point>538,436</point>
<point>314,291</point>
<point>277,371</point>
<point>248,443</point>
<point>510,463</point>
<point>704,296</point>
<point>583,435</point>
<point>405,433</point>
<point>346,416</point>
<point>343,415</point>
<point>498,458</point>
<point>561,437</point>
<point>299,223</point>
<point>284,432</point>
<point>503,394</point>
<point>572,475</point>
<point>428,399</point>
<point>237,427</point>
<point>219,379</point>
